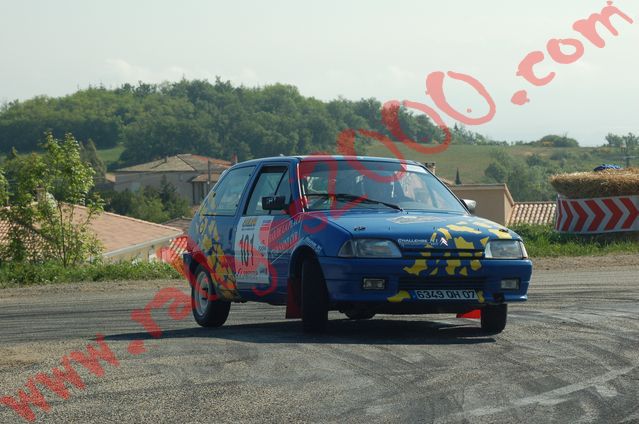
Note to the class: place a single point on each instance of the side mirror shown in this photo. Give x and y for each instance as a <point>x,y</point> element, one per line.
<point>274,203</point>
<point>471,205</point>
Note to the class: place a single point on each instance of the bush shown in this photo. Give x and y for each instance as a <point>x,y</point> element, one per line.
<point>562,155</point>
<point>553,140</point>
<point>14,274</point>
<point>526,180</point>
<point>543,241</point>
<point>149,203</point>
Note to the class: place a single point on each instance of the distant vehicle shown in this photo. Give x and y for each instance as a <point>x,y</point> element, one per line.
<point>359,235</point>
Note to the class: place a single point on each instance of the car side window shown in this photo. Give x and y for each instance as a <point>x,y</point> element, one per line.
<point>225,196</point>
<point>266,185</point>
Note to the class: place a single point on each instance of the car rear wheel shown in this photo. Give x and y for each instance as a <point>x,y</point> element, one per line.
<point>493,318</point>
<point>208,309</point>
<point>314,297</point>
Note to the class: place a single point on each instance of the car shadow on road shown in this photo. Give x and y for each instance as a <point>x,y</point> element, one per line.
<point>375,331</point>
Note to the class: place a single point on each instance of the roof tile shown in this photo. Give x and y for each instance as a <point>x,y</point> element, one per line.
<point>541,213</point>
<point>182,162</point>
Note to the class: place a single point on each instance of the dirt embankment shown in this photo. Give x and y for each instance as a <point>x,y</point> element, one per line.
<point>618,261</point>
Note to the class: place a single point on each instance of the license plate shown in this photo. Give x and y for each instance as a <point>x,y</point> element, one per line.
<point>445,294</point>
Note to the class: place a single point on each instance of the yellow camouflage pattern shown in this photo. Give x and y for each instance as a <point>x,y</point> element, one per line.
<point>220,264</point>
<point>457,237</point>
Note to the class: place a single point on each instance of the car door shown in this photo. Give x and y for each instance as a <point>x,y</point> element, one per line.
<point>219,213</point>
<point>283,236</point>
<point>257,260</point>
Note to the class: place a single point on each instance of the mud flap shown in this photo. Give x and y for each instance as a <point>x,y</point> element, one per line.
<point>474,314</point>
<point>293,309</point>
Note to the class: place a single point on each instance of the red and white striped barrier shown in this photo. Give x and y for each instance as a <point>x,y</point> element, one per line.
<point>599,215</point>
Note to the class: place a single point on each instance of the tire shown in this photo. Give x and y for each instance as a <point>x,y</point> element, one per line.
<point>206,311</point>
<point>359,314</point>
<point>314,298</point>
<point>493,318</point>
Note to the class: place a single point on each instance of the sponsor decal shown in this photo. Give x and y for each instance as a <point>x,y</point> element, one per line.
<point>415,219</point>
<point>249,246</point>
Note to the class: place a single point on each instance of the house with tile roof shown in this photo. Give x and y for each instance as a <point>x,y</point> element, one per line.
<point>191,175</point>
<point>494,201</point>
<point>123,238</point>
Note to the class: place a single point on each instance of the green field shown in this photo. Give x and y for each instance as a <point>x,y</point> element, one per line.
<point>472,160</point>
<point>109,156</point>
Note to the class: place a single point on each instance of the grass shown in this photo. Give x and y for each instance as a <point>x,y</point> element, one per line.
<point>111,155</point>
<point>25,274</point>
<point>543,241</point>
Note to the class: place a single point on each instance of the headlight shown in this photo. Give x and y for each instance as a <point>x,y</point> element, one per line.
<point>505,249</point>
<point>369,248</point>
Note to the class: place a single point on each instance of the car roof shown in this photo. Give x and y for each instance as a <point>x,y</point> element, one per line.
<point>324,158</point>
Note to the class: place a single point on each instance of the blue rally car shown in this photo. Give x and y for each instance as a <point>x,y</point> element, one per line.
<point>359,235</point>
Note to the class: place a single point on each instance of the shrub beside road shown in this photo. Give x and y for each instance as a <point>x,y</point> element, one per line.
<point>542,241</point>
<point>24,274</point>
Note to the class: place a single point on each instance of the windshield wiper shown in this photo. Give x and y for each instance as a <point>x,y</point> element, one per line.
<point>354,198</point>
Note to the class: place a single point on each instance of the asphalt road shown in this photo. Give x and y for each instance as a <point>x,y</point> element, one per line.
<point>570,354</point>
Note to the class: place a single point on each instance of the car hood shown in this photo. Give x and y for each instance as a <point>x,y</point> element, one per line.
<point>424,230</point>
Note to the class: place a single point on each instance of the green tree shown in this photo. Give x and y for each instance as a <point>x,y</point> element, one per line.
<point>4,190</point>
<point>526,182</point>
<point>208,118</point>
<point>44,193</point>
<point>148,206</point>
<point>553,140</point>
<point>535,160</point>
<point>25,176</point>
<point>627,144</point>
<point>174,205</point>
<point>89,154</point>
<point>120,202</point>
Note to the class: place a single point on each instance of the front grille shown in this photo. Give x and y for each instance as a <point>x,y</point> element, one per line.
<point>443,254</point>
<point>450,283</point>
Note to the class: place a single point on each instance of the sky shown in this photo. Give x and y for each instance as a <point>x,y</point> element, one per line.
<point>354,49</point>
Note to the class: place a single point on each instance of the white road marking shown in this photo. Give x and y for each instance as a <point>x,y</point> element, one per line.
<point>551,397</point>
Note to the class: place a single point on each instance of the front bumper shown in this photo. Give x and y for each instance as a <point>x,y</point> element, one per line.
<point>403,276</point>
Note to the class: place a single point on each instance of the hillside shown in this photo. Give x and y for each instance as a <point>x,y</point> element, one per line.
<point>135,124</point>
<point>216,119</point>
<point>524,168</point>
<point>472,160</point>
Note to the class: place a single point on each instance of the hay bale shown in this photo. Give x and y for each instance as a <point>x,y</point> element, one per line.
<point>607,183</point>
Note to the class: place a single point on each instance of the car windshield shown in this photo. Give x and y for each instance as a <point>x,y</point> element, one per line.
<point>339,184</point>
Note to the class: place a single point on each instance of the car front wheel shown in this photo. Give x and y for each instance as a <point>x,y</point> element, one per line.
<point>493,318</point>
<point>359,314</point>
